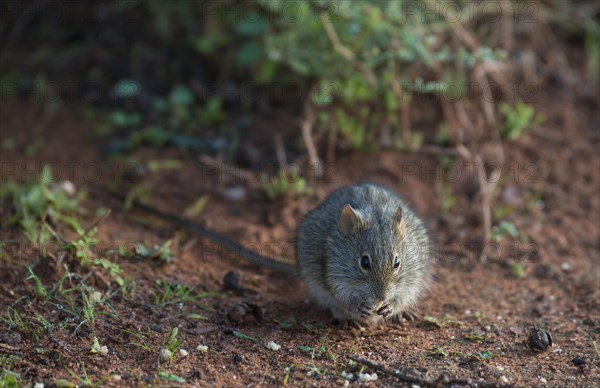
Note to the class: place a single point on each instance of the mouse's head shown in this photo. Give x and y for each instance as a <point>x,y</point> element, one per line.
<point>376,254</point>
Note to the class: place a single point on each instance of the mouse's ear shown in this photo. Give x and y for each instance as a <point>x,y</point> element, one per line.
<point>397,216</point>
<point>397,220</point>
<point>350,220</point>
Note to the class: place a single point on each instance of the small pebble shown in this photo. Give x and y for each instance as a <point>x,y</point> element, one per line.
<point>347,376</point>
<point>566,267</point>
<point>38,385</point>
<point>235,193</point>
<point>183,352</point>
<point>503,380</point>
<point>367,377</point>
<point>103,350</point>
<point>67,187</point>
<point>273,346</point>
<point>202,348</point>
<point>543,380</point>
<point>231,281</point>
<point>539,339</point>
<point>165,354</point>
<point>96,297</point>
<point>578,361</point>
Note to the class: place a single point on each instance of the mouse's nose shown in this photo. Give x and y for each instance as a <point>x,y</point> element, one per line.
<point>380,295</point>
<point>379,299</point>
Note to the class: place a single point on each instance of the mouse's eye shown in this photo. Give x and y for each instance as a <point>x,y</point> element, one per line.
<point>365,262</point>
<point>396,262</point>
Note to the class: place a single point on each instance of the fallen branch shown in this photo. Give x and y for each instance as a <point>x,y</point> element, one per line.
<point>442,379</point>
<point>392,372</point>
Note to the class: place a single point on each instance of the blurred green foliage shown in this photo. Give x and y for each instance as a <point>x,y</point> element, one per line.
<point>38,201</point>
<point>179,71</point>
<point>286,183</point>
<point>352,58</point>
<point>517,119</point>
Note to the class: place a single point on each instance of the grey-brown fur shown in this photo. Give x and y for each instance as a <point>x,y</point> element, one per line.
<point>328,261</point>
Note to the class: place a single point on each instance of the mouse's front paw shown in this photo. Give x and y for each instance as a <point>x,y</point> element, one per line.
<point>386,311</point>
<point>366,309</point>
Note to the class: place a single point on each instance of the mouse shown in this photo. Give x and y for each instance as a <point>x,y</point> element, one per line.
<point>363,254</point>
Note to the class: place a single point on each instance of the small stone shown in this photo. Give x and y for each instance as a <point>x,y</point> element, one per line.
<point>38,385</point>
<point>165,354</point>
<point>67,187</point>
<point>273,346</point>
<point>503,380</point>
<point>202,348</point>
<point>543,380</point>
<point>183,352</point>
<point>566,267</point>
<point>231,281</point>
<point>96,297</point>
<point>103,351</point>
<point>235,193</point>
<point>500,368</point>
<point>539,339</point>
<point>365,377</point>
<point>578,361</point>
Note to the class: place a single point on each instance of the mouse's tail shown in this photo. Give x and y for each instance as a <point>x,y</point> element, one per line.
<point>230,245</point>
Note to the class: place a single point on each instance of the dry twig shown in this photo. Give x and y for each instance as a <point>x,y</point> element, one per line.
<point>307,125</point>
<point>442,379</point>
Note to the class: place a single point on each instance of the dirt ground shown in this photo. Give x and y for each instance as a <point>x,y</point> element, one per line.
<point>474,323</point>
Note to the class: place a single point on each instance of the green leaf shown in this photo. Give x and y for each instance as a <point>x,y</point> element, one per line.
<point>517,270</point>
<point>63,383</point>
<point>438,351</point>
<point>95,346</point>
<point>120,118</point>
<point>241,335</point>
<point>252,27</point>
<point>181,96</point>
<point>433,321</point>
<point>196,208</point>
<point>249,54</point>
<point>166,164</point>
<point>211,41</point>
<point>266,71</point>
<point>170,377</point>
<point>473,337</point>
<point>126,88</point>
<point>196,316</point>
